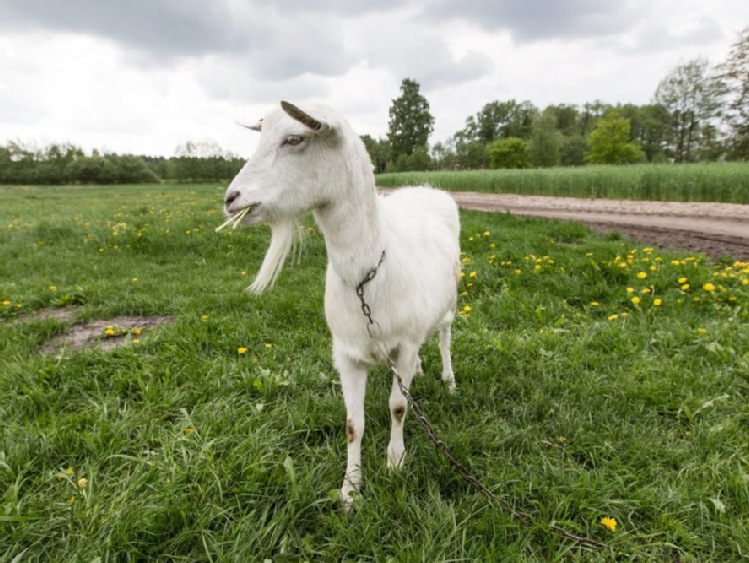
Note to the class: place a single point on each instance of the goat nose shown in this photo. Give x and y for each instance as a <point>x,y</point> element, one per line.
<point>230,197</point>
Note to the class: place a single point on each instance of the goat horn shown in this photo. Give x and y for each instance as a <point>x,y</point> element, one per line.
<point>301,117</point>
<point>255,127</point>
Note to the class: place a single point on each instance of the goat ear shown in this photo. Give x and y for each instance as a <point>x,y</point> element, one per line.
<point>256,127</point>
<point>304,118</point>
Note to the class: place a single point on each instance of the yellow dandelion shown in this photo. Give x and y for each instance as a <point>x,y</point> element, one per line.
<point>204,318</point>
<point>486,233</point>
<point>268,345</point>
<point>70,471</point>
<point>684,286</point>
<point>609,523</point>
<point>701,330</point>
<point>625,315</point>
<point>653,268</point>
<point>657,302</point>
<point>472,275</point>
<point>646,290</point>
<point>682,280</point>
<point>594,303</point>
<point>630,290</point>
<point>109,331</point>
<point>53,288</point>
<point>467,309</point>
<point>518,272</point>
<point>136,341</point>
<point>613,317</point>
<point>243,273</point>
<point>6,302</point>
<point>635,300</point>
<point>137,331</point>
<point>134,280</point>
<point>642,275</point>
<point>708,287</point>
<point>189,430</point>
<point>241,350</point>
<point>82,482</point>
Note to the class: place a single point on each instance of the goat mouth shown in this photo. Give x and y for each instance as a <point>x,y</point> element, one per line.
<point>244,211</point>
<point>236,217</point>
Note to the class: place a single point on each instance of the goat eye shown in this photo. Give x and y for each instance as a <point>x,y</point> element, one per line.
<point>293,140</point>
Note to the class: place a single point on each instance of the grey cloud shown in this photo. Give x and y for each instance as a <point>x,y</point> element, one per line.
<point>161,27</point>
<point>531,20</point>
<point>657,37</point>
<point>221,80</point>
<point>342,7</point>
<point>269,43</point>
<point>424,56</point>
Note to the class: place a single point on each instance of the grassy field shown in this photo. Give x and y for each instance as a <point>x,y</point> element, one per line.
<point>726,182</point>
<point>596,379</point>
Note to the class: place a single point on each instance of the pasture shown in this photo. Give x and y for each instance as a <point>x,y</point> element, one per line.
<point>719,182</point>
<point>598,381</point>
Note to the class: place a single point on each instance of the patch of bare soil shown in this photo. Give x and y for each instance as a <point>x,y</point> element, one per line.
<point>715,229</point>
<point>104,335</point>
<point>66,314</point>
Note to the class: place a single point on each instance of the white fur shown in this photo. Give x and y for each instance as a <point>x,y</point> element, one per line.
<point>414,291</point>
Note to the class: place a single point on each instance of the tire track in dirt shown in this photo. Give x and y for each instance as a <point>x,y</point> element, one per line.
<point>715,229</point>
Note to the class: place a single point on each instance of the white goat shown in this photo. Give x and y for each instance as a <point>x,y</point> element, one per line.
<point>313,160</point>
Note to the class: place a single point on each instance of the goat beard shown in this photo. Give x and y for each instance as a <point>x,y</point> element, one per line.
<point>284,234</point>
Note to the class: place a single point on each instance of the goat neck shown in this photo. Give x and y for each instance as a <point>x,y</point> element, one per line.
<point>351,226</point>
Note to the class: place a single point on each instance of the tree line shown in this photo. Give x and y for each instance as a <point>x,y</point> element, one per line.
<point>698,112</point>
<point>68,164</point>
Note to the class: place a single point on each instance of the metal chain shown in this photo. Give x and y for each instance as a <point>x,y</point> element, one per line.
<point>439,444</point>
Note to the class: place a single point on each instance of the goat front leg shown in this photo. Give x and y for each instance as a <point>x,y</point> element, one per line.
<point>406,366</point>
<point>354,384</point>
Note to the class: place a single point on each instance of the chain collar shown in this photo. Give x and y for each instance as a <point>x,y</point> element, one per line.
<point>360,289</point>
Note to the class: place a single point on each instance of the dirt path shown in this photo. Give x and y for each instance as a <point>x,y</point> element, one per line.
<point>716,229</point>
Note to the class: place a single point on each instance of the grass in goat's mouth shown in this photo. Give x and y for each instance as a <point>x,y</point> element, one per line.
<point>235,219</point>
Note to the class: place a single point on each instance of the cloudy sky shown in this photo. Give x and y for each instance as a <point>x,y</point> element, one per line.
<point>143,76</point>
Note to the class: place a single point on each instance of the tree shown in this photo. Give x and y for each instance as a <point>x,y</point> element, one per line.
<point>471,155</point>
<point>543,149</point>
<point>572,151</point>
<point>499,120</point>
<point>734,89</point>
<point>654,129</point>
<point>410,121</point>
<point>92,170</point>
<point>508,153</point>
<point>610,142</point>
<point>691,96</point>
<point>443,156</point>
<point>379,151</point>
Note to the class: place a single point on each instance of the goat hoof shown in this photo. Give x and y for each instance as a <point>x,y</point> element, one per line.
<point>349,496</point>
<point>395,459</point>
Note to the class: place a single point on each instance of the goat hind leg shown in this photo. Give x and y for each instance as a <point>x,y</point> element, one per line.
<point>447,364</point>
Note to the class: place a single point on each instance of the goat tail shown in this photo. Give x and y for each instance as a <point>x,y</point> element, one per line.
<point>283,235</point>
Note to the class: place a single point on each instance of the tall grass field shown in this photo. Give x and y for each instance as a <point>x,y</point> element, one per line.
<point>720,182</point>
<point>602,387</point>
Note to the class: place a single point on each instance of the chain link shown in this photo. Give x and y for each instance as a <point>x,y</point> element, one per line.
<point>439,444</point>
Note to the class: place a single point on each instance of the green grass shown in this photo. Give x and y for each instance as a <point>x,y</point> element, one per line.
<point>189,451</point>
<point>724,182</point>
